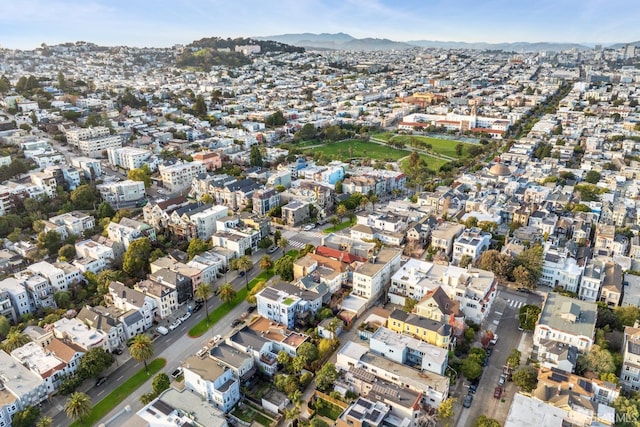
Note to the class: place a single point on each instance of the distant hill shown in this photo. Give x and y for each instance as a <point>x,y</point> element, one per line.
<point>342,41</point>
<point>212,51</point>
<point>621,45</point>
<point>338,41</point>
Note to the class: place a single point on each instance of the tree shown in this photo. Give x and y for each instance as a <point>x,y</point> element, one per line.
<point>309,351</point>
<point>592,177</point>
<point>531,259</point>
<point>445,410</point>
<point>341,211</point>
<point>196,247</point>
<point>142,174</point>
<point>307,132</point>
<point>135,259</point>
<point>49,241</point>
<point>200,107</point>
<point>523,277</point>
<point>275,119</point>
<point>141,349</point>
<point>628,410</point>
<point>465,261</point>
<point>62,299</point>
<point>78,406</point>
<point>161,382</point>
<point>45,421</point>
<point>94,362</point>
<point>255,157</point>
<point>338,187</point>
<point>68,252</point>
<point>15,339</point>
<point>326,376</point>
<point>282,243</point>
<point>513,360</point>
<point>284,359</point>
<point>227,293</point>
<point>5,326</point>
<point>84,197</point>
<point>471,369</point>
<point>459,148</point>
<point>244,263</point>
<point>526,378</point>
<point>283,267</point>
<point>206,198</point>
<point>26,417</point>
<point>484,421</point>
<point>266,262</point>
<point>528,316</point>
<point>597,360</point>
<point>265,243</point>
<point>203,293</point>
<point>626,316</point>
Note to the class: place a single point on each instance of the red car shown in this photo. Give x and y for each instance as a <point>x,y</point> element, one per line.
<point>497,392</point>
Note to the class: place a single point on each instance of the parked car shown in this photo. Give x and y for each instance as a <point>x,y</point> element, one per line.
<point>467,401</point>
<point>524,290</point>
<point>272,249</point>
<point>502,379</point>
<point>202,351</point>
<point>309,227</point>
<point>497,392</point>
<point>235,323</point>
<point>494,340</point>
<point>175,324</point>
<point>473,387</point>
<point>185,316</point>
<point>162,330</point>
<point>117,351</point>
<point>241,273</point>
<point>251,309</point>
<point>485,362</point>
<point>197,306</point>
<point>175,374</point>
<point>101,381</point>
<point>489,351</point>
<point>217,338</point>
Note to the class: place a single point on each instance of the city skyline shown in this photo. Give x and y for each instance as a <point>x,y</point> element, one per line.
<point>162,23</point>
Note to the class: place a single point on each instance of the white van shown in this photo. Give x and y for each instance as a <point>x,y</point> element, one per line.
<point>162,330</point>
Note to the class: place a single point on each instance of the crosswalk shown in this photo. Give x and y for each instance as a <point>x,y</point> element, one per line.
<point>296,244</point>
<point>515,303</point>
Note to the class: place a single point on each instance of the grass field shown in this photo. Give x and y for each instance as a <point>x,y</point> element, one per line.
<point>345,150</point>
<point>329,410</point>
<point>114,398</point>
<point>339,227</point>
<point>445,147</point>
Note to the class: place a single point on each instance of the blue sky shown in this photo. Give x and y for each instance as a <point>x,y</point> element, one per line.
<point>26,24</point>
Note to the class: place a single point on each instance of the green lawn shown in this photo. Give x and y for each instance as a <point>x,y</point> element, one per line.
<point>446,147</point>
<point>433,163</point>
<point>329,410</point>
<point>352,148</point>
<point>223,309</point>
<point>341,226</point>
<point>118,395</point>
<point>249,413</point>
<point>293,253</point>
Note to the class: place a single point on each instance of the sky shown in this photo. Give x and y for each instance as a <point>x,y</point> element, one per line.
<point>26,24</point>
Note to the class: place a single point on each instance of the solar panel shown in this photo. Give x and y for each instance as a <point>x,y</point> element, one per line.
<point>558,378</point>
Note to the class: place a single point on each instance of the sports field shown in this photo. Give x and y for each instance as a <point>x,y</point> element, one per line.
<point>352,149</point>
<point>446,147</point>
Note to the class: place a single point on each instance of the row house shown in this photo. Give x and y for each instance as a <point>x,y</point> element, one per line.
<point>174,278</point>
<point>607,243</point>
<point>128,230</point>
<point>560,270</point>
<point>370,279</point>
<point>265,200</point>
<point>471,243</point>
<point>95,250</point>
<point>16,297</point>
<point>39,289</point>
<point>241,364</point>
<point>166,297</point>
<point>178,177</point>
<point>75,223</point>
<point>196,220</point>
<point>212,381</point>
<point>209,264</point>
<point>21,388</point>
<point>444,235</point>
<point>630,372</point>
<point>287,304</point>
<point>128,300</point>
<point>158,214</point>
<point>61,275</point>
<point>105,321</point>
<point>46,365</point>
<point>74,331</point>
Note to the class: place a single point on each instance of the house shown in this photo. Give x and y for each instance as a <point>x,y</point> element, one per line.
<point>560,269</point>
<point>265,200</point>
<point>427,330</point>
<point>180,407</point>
<point>166,297</point>
<point>437,305</point>
<point>443,236</point>
<point>158,214</point>
<point>77,333</point>
<point>105,320</point>
<point>557,355</point>
<point>363,413</point>
<point>75,223</point>
<point>122,194</point>
<point>471,243</point>
<point>285,303</point>
<point>409,351</point>
<point>630,372</point>
<point>631,294</point>
<point>213,382</point>
<point>44,364</point>
<point>196,220</point>
<point>178,177</point>
<point>370,279</point>
<point>295,213</point>
<point>61,275</point>
<point>611,290</point>
<point>175,279</point>
<point>21,388</point>
<point>138,310</point>
<point>240,363</point>
<point>211,160</point>
<point>566,320</point>
<point>129,230</point>
<point>16,295</point>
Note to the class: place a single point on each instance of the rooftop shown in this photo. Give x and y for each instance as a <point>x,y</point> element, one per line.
<point>569,315</point>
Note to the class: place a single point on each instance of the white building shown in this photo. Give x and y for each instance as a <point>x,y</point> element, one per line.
<point>215,383</point>
<point>282,302</point>
<point>18,295</point>
<point>128,157</point>
<point>76,332</point>
<point>179,176</point>
<point>471,243</point>
<point>93,142</point>
<point>558,269</point>
<point>21,388</point>
<point>630,373</point>
<point>122,194</point>
<point>61,275</point>
<point>371,278</point>
<point>73,223</point>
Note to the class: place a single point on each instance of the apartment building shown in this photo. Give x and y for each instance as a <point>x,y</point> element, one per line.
<point>295,212</point>
<point>93,142</point>
<point>630,372</point>
<point>122,194</point>
<point>213,382</point>
<point>427,330</point>
<point>471,243</point>
<point>128,157</point>
<point>21,388</point>
<point>443,236</point>
<point>285,303</point>
<point>178,177</point>
<point>128,230</point>
<point>72,223</point>
<point>371,278</point>
<point>265,200</point>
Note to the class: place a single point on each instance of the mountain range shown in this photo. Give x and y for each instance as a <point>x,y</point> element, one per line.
<point>342,41</point>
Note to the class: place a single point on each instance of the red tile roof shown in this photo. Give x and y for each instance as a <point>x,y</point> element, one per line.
<point>339,255</point>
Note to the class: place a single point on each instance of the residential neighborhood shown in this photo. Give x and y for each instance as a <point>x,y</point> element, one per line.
<point>243,232</point>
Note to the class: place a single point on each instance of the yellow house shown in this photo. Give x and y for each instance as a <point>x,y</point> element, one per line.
<point>427,330</point>
<point>436,305</point>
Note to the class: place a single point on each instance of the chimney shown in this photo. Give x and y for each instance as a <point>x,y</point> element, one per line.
<point>559,390</point>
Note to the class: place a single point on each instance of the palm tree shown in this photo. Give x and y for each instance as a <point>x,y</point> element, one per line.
<point>266,262</point>
<point>78,406</point>
<point>341,211</point>
<point>227,293</point>
<point>141,349</point>
<point>373,199</point>
<point>45,422</point>
<point>364,202</point>
<point>203,293</point>
<point>245,264</point>
<point>15,339</point>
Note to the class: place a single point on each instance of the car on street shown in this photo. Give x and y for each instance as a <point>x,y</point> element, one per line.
<point>175,324</point>
<point>473,387</point>
<point>217,338</point>
<point>197,306</point>
<point>101,381</point>
<point>502,379</point>
<point>185,316</point>
<point>117,351</point>
<point>202,351</point>
<point>489,350</point>
<point>235,323</point>
<point>494,340</point>
<point>272,249</point>
<point>251,309</point>
<point>309,227</point>
<point>524,290</point>
<point>175,374</point>
<point>160,191</point>
<point>497,392</point>
<point>467,401</point>
<point>241,273</point>
<point>162,330</point>
<point>485,362</point>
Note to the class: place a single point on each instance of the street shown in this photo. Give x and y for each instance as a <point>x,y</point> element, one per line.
<point>503,320</point>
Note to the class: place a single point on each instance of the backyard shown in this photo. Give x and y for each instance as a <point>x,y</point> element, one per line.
<point>249,413</point>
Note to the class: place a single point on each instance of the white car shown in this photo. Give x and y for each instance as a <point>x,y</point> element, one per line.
<point>202,351</point>
<point>217,338</point>
<point>185,316</point>
<point>175,324</point>
<point>494,340</point>
<point>309,227</point>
